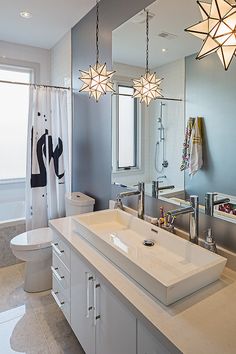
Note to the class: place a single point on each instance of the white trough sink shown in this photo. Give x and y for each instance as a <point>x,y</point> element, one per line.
<point>171,269</point>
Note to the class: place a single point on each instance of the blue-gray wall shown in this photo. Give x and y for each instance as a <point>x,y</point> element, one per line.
<point>210,93</point>
<point>92,149</point>
<point>92,160</point>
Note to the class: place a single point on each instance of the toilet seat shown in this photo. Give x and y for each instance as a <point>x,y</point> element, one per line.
<point>33,240</point>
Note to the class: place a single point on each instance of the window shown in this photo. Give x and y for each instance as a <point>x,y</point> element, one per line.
<point>127,129</point>
<point>14,104</point>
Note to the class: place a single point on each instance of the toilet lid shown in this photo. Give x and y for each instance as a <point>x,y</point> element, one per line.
<point>33,240</point>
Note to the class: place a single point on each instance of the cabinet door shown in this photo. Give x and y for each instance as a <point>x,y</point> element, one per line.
<point>115,324</point>
<point>82,304</point>
<point>147,343</point>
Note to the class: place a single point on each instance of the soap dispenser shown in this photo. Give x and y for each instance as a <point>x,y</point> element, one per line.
<point>209,242</point>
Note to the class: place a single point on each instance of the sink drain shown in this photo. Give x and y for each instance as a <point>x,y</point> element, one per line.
<point>148,243</point>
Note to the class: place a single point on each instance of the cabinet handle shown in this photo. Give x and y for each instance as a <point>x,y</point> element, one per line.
<point>96,286</point>
<point>56,249</point>
<point>59,303</point>
<point>57,275</point>
<point>89,278</point>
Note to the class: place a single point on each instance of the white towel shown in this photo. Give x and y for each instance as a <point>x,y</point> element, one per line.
<point>196,161</point>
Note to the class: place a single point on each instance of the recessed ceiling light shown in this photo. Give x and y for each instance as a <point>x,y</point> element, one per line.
<point>25,14</point>
<point>164,50</point>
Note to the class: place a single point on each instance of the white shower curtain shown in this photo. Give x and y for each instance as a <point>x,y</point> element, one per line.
<point>47,175</point>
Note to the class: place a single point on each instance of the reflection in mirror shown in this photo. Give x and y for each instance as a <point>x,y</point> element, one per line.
<point>174,145</point>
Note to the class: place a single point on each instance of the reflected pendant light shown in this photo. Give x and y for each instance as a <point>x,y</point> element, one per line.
<point>147,88</point>
<point>218,30</point>
<point>97,80</point>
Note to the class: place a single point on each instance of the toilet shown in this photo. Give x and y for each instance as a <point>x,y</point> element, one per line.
<point>34,247</point>
<point>78,203</point>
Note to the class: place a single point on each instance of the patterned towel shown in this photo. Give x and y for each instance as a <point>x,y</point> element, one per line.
<point>192,147</point>
<point>195,161</point>
<point>186,145</point>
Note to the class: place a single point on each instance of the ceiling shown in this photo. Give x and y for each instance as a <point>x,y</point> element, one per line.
<point>51,20</point>
<point>174,16</point>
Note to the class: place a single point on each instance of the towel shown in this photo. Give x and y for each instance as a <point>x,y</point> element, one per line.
<point>186,145</point>
<point>195,147</point>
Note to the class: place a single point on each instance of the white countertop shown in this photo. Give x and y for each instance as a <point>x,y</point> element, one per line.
<point>204,322</point>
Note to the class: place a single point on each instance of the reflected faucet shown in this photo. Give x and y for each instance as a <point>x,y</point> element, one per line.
<point>156,188</point>
<point>139,193</point>
<point>193,210</point>
<point>210,202</point>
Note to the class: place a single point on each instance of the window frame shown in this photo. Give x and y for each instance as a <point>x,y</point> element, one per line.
<point>137,169</point>
<point>24,69</point>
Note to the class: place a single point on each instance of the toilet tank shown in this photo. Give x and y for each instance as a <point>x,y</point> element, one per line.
<point>78,203</point>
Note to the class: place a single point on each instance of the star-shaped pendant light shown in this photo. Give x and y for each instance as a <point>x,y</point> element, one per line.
<point>218,30</point>
<point>147,87</point>
<point>97,80</point>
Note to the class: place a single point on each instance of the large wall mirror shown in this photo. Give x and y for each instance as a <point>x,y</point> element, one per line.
<point>148,142</point>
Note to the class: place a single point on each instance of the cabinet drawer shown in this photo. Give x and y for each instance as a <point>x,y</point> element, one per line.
<point>60,297</point>
<point>61,273</point>
<point>61,249</point>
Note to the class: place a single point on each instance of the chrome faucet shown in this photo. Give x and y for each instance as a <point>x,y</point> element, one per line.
<point>156,188</point>
<point>210,202</point>
<point>139,193</point>
<point>193,210</point>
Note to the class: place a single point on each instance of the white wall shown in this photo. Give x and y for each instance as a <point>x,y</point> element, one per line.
<point>52,66</point>
<point>61,76</point>
<point>125,73</point>
<point>61,61</point>
<point>173,86</point>
<point>39,59</point>
<point>11,53</point>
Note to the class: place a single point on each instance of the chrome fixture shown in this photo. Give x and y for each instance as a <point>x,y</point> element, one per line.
<point>156,188</point>
<point>160,144</point>
<point>210,243</point>
<point>148,243</point>
<point>193,210</point>
<point>210,202</point>
<point>139,193</point>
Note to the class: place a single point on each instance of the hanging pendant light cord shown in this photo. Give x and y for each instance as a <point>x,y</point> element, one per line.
<point>97,33</point>
<point>147,48</point>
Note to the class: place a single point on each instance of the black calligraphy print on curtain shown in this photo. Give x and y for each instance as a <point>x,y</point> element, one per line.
<point>40,179</point>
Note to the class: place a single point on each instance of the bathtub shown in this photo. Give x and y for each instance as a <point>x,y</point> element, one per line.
<point>12,212</point>
<point>12,223</point>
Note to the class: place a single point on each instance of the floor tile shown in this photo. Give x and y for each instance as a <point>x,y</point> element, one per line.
<point>31,323</point>
<point>22,335</point>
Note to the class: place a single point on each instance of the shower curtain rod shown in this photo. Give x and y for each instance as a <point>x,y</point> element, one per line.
<point>160,98</point>
<point>37,85</point>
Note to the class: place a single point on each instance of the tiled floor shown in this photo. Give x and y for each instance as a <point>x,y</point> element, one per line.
<point>31,323</point>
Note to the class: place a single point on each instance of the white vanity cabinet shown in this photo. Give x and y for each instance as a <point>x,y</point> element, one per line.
<point>61,274</point>
<point>116,324</point>
<point>147,343</point>
<point>101,322</point>
<point>82,307</point>
<point>98,318</point>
